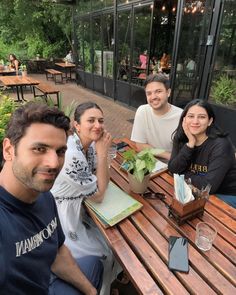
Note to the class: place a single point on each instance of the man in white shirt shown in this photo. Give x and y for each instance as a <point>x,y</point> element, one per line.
<point>155,122</point>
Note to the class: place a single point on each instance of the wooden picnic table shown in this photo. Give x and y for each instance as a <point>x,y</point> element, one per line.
<point>140,243</point>
<point>4,72</point>
<point>40,64</point>
<point>66,66</point>
<point>18,82</point>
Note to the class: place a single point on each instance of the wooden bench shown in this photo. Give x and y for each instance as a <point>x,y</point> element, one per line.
<point>52,74</point>
<point>47,90</point>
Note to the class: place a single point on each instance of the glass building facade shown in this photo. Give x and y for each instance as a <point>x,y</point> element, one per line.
<point>120,42</point>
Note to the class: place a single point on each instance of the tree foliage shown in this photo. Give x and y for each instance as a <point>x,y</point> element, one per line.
<point>30,27</point>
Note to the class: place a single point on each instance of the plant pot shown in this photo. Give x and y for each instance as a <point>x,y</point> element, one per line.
<point>24,73</point>
<point>136,186</point>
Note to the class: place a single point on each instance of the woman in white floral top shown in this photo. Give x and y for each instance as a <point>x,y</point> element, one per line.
<point>85,174</point>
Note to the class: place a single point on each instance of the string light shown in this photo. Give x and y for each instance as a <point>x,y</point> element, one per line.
<point>194,6</point>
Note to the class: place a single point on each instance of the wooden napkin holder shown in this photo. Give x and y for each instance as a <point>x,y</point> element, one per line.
<point>183,212</point>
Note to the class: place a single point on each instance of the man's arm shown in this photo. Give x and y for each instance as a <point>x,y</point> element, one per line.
<point>162,154</point>
<point>65,268</point>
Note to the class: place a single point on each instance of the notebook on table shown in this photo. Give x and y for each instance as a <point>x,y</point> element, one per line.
<point>116,206</point>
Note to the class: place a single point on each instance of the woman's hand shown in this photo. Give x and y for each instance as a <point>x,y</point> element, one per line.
<point>191,138</point>
<point>103,144</point>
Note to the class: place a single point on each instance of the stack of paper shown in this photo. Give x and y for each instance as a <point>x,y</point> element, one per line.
<point>115,206</point>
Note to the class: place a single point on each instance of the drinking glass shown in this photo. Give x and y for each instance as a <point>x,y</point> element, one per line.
<point>205,235</point>
<point>112,153</point>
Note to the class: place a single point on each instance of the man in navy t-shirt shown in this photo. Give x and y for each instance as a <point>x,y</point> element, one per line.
<point>31,237</point>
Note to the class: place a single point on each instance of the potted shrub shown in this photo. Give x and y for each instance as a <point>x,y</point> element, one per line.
<point>224,91</point>
<point>23,70</point>
<point>139,166</point>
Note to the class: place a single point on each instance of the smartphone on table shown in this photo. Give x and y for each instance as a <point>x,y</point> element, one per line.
<point>121,145</point>
<point>178,254</point>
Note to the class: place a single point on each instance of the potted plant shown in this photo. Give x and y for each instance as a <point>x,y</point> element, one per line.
<point>139,166</point>
<point>224,90</point>
<point>23,70</point>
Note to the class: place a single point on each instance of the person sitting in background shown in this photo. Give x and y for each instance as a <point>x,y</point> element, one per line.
<point>69,57</point>
<point>191,65</point>
<point>164,62</point>
<point>85,174</point>
<point>143,58</point>
<point>155,122</point>
<point>14,62</point>
<point>203,153</point>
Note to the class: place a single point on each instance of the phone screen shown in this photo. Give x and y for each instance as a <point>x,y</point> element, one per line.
<point>178,254</point>
<point>121,145</point>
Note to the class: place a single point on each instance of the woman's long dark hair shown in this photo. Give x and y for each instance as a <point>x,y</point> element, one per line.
<point>213,131</point>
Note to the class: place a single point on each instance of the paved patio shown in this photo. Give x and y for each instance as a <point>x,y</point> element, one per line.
<point>118,118</point>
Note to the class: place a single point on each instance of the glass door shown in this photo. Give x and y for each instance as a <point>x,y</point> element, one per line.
<point>193,42</point>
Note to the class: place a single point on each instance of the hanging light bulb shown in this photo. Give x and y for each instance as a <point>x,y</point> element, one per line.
<point>174,9</point>
<point>163,8</point>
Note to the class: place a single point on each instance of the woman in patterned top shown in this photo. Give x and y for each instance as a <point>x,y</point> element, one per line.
<point>85,174</point>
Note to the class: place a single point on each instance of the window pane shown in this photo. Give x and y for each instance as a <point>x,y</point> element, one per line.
<point>164,18</point>
<point>108,47</point>
<point>194,31</point>
<point>87,47</point>
<point>97,45</point>
<point>142,22</point>
<point>79,35</point>
<point>124,25</point>
<point>223,90</point>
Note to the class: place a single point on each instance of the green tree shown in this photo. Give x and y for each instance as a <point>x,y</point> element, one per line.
<point>30,27</point>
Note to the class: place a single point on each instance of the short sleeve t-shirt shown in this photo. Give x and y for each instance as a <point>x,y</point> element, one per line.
<point>153,129</point>
<point>30,235</point>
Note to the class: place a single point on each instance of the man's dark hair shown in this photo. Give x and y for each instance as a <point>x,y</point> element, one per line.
<point>33,112</point>
<point>161,78</point>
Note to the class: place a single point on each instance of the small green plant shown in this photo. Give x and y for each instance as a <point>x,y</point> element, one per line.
<point>139,164</point>
<point>68,109</point>
<point>7,107</point>
<point>23,67</point>
<point>224,90</point>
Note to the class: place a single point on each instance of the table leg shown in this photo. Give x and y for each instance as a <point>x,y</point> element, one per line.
<point>22,93</point>
<point>18,95</point>
<point>70,74</point>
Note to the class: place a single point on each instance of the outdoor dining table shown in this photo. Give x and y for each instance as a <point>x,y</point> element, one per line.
<point>18,82</point>
<point>5,72</point>
<point>140,242</point>
<point>66,66</point>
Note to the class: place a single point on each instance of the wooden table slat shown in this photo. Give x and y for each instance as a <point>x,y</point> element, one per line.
<point>141,279</point>
<point>192,281</point>
<point>148,256</point>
